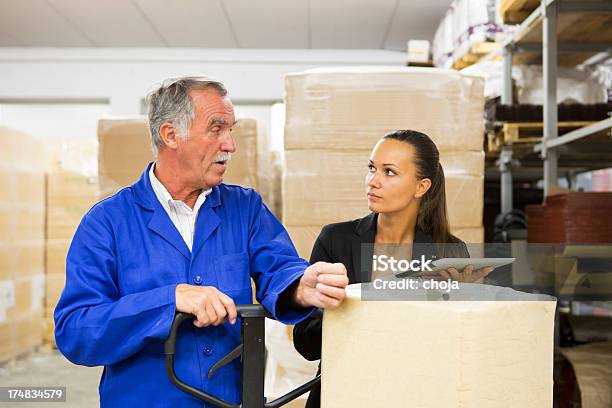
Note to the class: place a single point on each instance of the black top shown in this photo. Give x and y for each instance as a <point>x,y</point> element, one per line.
<point>343,242</point>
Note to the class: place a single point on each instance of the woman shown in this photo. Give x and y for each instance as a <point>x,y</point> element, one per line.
<point>405,191</point>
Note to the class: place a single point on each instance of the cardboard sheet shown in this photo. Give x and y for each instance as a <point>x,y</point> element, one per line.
<point>431,354</point>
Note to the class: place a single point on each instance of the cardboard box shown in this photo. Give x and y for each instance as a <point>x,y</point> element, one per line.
<point>29,296</point>
<point>28,257</point>
<point>352,108</point>
<point>438,354</point>
<point>319,200</point>
<point>30,188</point>
<point>474,235</point>
<point>62,222</point>
<point>7,336</point>
<point>243,167</point>
<point>125,152</point>
<point>55,259</point>
<point>418,51</point>
<point>22,226</point>
<point>28,333</point>
<point>324,187</point>
<point>7,223</point>
<point>303,238</point>
<point>7,264</point>
<point>49,328</point>
<point>20,151</point>
<point>54,285</point>
<point>69,189</point>
<point>7,183</point>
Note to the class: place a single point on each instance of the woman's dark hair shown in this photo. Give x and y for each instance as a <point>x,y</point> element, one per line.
<point>432,216</point>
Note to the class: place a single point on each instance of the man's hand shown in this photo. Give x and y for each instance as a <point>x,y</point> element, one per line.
<point>322,285</point>
<point>210,306</point>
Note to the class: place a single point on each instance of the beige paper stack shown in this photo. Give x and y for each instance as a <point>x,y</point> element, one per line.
<point>486,354</point>
<point>334,117</point>
<point>22,214</point>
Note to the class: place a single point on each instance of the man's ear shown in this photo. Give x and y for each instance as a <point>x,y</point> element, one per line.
<point>422,187</point>
<point>168,135</point>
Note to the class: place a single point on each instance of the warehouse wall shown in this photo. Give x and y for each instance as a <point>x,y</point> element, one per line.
<point>122,76</point>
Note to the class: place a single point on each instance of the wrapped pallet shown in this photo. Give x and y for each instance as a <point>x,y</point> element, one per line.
<point>486,347</point>
<point>334,117</point>
<point>22,215</point>
<point>125,151</point>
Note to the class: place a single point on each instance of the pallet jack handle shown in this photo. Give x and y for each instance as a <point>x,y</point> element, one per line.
<point>252,353</point>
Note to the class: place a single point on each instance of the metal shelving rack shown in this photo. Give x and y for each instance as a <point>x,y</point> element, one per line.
<point>547,15</point>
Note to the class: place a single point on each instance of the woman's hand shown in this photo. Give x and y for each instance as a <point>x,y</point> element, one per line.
<point>468,275</point>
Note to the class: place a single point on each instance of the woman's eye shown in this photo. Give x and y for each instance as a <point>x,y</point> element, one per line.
<point>389,172</point>
<point>371,168</point>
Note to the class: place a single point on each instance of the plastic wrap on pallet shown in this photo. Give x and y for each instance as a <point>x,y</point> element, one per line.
<point>352,108</point>
<point>474,21</point>
<point>465,24</point>
<point>573,85</point>
<point>442,47</point>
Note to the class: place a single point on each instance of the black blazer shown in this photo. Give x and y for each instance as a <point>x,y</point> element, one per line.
<point>344,243</point>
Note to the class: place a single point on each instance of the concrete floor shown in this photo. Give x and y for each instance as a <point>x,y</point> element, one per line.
<point>50,368</point>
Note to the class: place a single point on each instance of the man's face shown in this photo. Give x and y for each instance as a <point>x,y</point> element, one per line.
<point>203,155</point>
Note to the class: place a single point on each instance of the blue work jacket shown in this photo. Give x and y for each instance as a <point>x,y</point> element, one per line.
<point>122,270</point>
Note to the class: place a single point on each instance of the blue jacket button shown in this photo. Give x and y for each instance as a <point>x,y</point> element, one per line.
<point>197,280</point>
<point>207,351</point>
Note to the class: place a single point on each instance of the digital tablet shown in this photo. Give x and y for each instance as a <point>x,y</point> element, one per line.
<point>460,263</point>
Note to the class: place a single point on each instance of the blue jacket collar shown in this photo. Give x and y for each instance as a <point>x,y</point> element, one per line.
<point>145,196</point>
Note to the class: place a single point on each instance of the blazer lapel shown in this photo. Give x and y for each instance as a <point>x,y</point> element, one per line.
<point>423,245</point>
<point>363,247</point>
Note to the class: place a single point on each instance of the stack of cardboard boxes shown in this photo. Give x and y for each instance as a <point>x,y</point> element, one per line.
<point>334,117</point>
<point>22,214</point>
<point>71,190</point>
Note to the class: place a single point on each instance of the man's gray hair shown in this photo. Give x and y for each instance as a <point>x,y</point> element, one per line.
<point>171,102</point>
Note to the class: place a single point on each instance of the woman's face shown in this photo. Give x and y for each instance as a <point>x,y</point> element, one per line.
<point>391,182</point>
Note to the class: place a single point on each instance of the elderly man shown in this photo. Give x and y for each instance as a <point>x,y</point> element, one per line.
<point>180,240</point>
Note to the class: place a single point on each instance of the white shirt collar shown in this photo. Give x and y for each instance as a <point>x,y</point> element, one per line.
<point>166,199</point>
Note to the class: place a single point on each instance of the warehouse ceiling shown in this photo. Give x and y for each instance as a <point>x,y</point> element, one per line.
<point>321,24</point>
